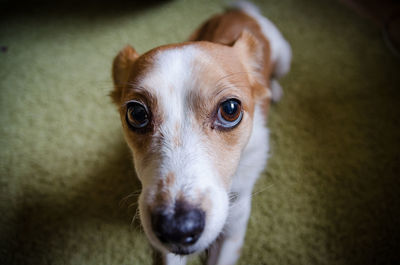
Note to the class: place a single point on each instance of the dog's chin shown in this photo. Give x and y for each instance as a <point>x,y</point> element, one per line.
<point>178,250</point>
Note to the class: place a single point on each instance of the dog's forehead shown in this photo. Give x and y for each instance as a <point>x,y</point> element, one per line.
<point>178,69</point>
<point>174,72</point>
<point>177,75</point>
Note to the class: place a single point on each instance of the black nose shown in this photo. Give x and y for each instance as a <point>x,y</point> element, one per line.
<point>182,226</point>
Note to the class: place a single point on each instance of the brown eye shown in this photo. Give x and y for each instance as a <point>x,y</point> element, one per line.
<point>137,115</point>
<point>229,113</point>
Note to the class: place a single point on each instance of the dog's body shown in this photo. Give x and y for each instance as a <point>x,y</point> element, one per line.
<point>194,117</point>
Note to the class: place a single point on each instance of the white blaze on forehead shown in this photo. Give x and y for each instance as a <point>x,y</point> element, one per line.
<point>175,73</point>
<point>171,77</point>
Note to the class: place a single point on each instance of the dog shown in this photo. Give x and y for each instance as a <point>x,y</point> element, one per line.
<point>194,117</point>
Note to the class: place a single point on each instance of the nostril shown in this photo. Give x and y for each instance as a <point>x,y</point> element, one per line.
<point>182,226</point>
<point>159,221</point>
<point>190,225</point>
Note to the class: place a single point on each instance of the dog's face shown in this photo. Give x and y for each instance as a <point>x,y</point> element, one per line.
<point>187,114</point>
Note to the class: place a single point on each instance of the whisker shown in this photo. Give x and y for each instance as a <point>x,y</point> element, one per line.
<point>129,196</point>
<point>234,205</point>
<point>264,189</point>
<point>137,213</point>
<point>133,205</point>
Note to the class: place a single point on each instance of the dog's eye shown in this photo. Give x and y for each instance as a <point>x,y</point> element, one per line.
<point>137,115</point>
<point>229,113</point>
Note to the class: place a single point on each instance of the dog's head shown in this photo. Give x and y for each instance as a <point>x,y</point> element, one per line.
<point>187,114</point>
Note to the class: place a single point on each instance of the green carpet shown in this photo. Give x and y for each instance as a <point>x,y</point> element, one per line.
<point>330,195</point>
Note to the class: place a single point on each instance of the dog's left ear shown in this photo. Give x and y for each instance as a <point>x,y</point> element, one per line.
<point>121,70</point>
<point>250,52</point>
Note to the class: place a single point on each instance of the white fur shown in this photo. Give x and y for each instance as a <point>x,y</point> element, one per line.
<point>172,79</point>
<point>252,163</point>
<point>281,53</point>
<point>174,69</point>
<point>174,259</point>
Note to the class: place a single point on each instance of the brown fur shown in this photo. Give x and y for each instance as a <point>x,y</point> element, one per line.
<point>162,197</point>
<point>122,65</point>
<point>170,179</point>
<point>238,66</point>
<point>177,136</point>
<point>226,29</point>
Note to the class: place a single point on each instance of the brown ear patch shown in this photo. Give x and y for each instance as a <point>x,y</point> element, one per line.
<point>121,69</point>
<point>250,51</point>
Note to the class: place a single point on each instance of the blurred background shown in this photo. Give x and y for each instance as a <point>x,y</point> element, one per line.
<point>330,193</point>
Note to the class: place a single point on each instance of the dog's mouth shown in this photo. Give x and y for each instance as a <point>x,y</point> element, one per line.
<point>183,226</point>
<point>180,250</point>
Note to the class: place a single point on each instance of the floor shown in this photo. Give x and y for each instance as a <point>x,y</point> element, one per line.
<point>329,195</point>
<point>385,13</point>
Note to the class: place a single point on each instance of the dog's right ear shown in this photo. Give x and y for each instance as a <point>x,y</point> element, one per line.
<point>250,52</point>
<point>121,69</point>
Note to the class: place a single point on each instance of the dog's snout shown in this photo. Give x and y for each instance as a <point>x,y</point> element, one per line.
<point>182,226</point>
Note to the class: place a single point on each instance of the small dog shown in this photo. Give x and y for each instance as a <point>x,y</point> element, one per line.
<point>193,115</point>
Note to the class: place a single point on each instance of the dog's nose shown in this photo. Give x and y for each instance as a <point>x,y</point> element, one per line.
<point>182,226</point>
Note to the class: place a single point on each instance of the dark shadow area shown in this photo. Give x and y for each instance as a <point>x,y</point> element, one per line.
<point>45,223</point>
<point>354,151</point>
<point>85,8</point>
<point>359,191</point>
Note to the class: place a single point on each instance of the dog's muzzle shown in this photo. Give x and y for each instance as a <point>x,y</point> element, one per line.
<point>178,228</point>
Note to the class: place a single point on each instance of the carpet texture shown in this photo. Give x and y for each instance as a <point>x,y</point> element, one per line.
<point>330,194</point>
